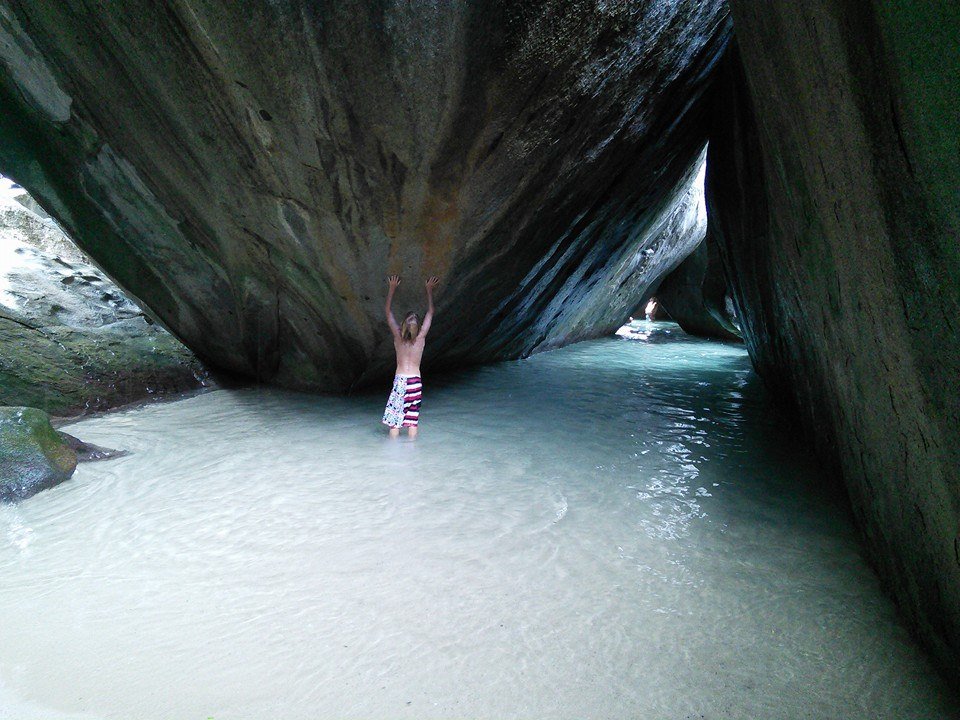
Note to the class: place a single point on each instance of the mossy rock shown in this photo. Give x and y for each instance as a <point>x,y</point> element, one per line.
<point>65,371</point>
<point>33,456</point>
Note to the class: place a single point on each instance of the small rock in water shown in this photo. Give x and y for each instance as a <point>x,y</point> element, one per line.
<point>33,456</point>
<point>87,452</point>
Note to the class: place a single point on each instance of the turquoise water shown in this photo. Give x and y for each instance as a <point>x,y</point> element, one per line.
<point>622,528</point>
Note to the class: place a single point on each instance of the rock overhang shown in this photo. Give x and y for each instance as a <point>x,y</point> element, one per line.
<point>251,172</point>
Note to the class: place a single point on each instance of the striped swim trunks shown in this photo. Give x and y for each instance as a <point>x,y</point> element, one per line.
<point>403,406</point>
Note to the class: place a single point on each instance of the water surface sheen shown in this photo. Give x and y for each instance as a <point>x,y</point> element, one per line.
<point>623,528</point>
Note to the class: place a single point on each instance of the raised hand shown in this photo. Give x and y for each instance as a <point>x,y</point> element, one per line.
<point>394,280</point>
<point>432,282</point>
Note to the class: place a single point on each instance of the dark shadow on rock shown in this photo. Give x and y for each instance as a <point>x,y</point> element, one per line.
<point>695,294</point>
<point>832,182</point>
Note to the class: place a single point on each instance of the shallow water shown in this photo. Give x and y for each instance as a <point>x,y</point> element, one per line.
<point>623,528</point>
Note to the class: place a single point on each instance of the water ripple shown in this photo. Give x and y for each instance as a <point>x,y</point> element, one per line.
<point>617,529</point>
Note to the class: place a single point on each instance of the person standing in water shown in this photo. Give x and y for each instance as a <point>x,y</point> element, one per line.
<point>409,338</point>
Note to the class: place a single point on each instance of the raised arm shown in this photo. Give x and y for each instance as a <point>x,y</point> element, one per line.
<point>394,280</point>
<point>428,318</point>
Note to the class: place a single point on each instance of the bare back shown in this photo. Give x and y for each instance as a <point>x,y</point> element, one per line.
<point>409,354</point>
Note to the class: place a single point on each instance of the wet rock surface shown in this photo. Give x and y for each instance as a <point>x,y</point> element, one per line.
<point>832,179</point>
<point>253,171</point>
<point>70,340</point>
<point>33,456</point>
<point>89,452</point>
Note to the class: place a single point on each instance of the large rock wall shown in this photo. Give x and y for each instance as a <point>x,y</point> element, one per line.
<point>252,171</point>
<point>832,179</point>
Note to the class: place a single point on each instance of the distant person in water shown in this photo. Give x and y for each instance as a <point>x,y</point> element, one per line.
<point>651,310</point>
<point>409,337</point>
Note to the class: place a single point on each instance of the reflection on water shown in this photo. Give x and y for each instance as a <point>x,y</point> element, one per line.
<point>623,528</point>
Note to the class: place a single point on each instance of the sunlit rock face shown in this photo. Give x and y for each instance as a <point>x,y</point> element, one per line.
<point>252,171</point>
<point>832,181</point>
<point>70,341</point>
<point>694,293</point>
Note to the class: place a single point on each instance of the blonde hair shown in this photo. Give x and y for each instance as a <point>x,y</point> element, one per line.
<point>406,330</point>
